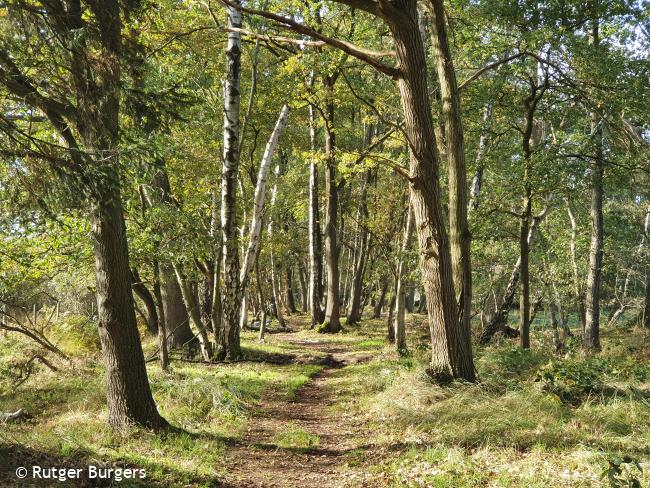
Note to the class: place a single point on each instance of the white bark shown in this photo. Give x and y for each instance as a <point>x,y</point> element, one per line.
<point>255,232</point>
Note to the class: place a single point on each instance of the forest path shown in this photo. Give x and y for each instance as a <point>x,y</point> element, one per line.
<point>305,441</point>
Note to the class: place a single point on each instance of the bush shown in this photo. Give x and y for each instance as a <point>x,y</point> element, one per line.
<point>571,381</point>
<point>76,335</point>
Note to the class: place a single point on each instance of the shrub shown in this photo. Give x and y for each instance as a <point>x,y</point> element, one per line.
<point>76,334</point>
<point>571,381</point>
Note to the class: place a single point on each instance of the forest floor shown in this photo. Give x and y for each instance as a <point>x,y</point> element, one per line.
<point>318,410</point>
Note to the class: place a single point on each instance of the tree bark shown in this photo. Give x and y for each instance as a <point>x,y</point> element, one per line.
<point>477,180</point>
<point>400,293</point>
<point>194,312</point>
<point>451,355</point>
<point>291,300</point>
<point>230,346</point>
<point>592,301</point>
<point>255,232</point>
<point>331,322</point>
<point>459,235</point>
<point>379,305</point>
<point>163,351</point>
<point>362,249</point>
<point>148,300</point>
<point>315,243</point>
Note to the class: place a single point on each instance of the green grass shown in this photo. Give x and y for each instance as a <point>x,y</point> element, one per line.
<point>296,439</point>
<point>210,405</point>
<point>535,418</point>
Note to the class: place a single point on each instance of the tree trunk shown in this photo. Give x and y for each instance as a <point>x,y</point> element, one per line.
<point>194,312</point>
<point>459,236</point>
<point>315,247</point>
<point>451,355</point>
<point>524,280</point>
<point>291,301</point>
<point>128,393</point>
<point>148,300</point>
<point>163,352</point>
<point>331,322</point>
<point>477,180</point>
<point>592,302</point>
<point>127,386</point>
<point>255,233</point>
<point>400,293</point>
<point>390,337</point>
<point>304,290</point>
<point>176,318</point>
<point>274,281</point>
<point>362,250</point>
<point>499,320</point>
<point>577,287</point>
<point>230,346</point>
<point>379,305</point>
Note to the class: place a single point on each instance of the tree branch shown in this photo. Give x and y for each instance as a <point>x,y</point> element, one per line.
<point>366,55</point>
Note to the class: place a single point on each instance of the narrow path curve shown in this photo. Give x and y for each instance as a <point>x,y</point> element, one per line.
<point>257,461</point>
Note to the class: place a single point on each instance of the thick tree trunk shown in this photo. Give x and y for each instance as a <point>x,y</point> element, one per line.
<point>592,301</point>
<point>451,355</point>
<point>127,387</point>
<point>148,300</point>
<point>331,322</point>
<point>400,293</point>
<point>315,242</point>
<point>230,346</point>
<point>176,318</point>
<point>459,235</point>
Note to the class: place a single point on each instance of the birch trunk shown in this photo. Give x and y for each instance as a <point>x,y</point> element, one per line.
<point>255,232</point>
<point>230,346</point>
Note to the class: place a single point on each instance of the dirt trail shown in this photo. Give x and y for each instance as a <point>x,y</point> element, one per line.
<point>258,462</point>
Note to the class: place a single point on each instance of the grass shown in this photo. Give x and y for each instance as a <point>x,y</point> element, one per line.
<point>535,419</point>
<point>210,405</point>
<point>296,439</point>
